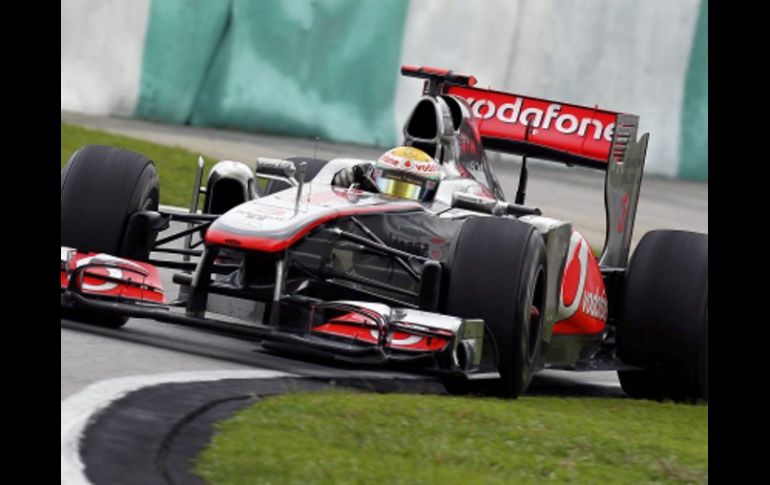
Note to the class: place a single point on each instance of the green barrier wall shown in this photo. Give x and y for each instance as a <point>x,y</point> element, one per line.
<point>694,144</point>
<point>300,68</point>
<point>330,68</point>
<point>182,38</point>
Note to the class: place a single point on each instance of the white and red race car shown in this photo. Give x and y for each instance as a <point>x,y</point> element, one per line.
<point>480,291</point>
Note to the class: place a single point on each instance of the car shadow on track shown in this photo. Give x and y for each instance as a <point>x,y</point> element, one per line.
<point>578,385</point>
<point>546,383</point>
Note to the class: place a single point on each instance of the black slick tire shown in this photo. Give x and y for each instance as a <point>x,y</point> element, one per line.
<point>101,187</point>
<point>497,272</point>
<point>664,326</point>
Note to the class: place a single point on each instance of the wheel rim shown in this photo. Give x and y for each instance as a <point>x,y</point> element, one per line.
<point>535,316</point>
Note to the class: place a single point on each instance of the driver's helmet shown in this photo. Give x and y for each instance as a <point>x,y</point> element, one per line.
<point>408,173</point>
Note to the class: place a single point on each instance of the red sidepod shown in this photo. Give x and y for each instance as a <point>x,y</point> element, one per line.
<point>583,298</point>
<point>116,282</point>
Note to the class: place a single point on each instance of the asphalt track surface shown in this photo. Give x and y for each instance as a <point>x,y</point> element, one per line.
<point>91,354</point>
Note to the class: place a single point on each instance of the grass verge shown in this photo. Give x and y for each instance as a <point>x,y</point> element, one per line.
<point>336,437</point>
<point>175,165</point>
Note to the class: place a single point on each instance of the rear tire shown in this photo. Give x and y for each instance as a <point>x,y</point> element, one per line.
<point>664,327</point>
<point>101,187</point>
<point>497,272</point>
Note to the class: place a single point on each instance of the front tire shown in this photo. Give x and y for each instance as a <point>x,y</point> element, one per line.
<point>497,272</point>
<point>101,187</point>
<point>664,327</point>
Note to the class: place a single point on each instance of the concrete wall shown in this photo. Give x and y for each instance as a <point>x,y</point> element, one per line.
<point>623,55</point>
<point>330,68</point>
<point>102,44</point>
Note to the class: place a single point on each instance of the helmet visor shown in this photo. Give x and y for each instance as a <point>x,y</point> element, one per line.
<point>399,188</point>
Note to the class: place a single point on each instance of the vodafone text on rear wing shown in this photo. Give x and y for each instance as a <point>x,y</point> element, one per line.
<point>560,132</point>
<point>541,128</point>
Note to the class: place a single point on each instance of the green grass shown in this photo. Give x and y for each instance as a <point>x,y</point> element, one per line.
<point>176,166</point>
<point>336,437</point>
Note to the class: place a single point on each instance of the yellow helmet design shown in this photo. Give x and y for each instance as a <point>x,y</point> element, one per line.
<point>407,173</point>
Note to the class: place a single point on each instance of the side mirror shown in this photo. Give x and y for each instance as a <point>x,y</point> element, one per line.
<point>486,205</point>
<point>275,167</point>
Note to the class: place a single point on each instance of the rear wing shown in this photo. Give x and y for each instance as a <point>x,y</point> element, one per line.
<point>560,132</point>
<point>540,128</point>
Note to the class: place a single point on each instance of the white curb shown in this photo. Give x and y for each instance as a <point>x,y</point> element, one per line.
<point>78,409</point>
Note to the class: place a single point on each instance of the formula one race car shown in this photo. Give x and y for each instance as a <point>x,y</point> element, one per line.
<point>465,285</point>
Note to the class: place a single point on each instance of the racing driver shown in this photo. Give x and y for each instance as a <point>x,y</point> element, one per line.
<point>403,172</point>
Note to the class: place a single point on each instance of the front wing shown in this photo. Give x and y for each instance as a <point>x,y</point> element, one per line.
<point>354,331</point>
